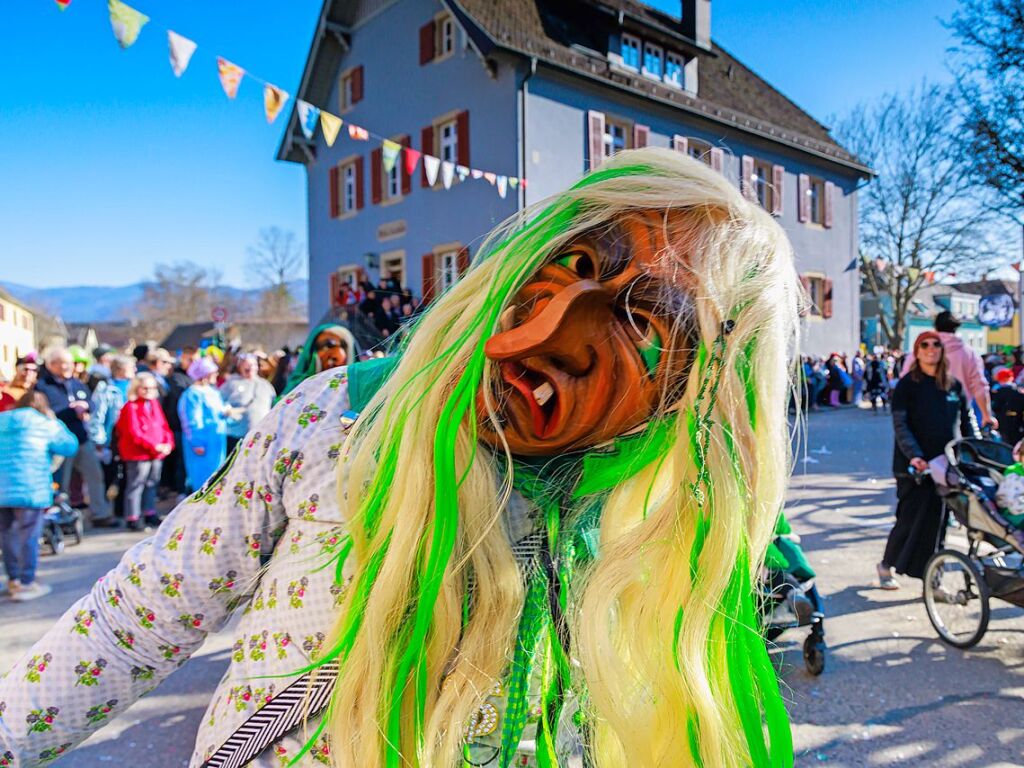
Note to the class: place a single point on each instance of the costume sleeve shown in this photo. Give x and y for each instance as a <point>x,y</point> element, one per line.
<point>98,409</point>
<point>150,613</point>
<point>63,442</point>
<point>905,439</point>
<point>190,410</point>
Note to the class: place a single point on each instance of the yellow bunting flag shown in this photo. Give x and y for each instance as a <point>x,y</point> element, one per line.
<point>390,150</point>
<point>330,125</point>
<point>181,50</point>
<point>126,22</point>
<point>273,100</point>
<point>230,76</point>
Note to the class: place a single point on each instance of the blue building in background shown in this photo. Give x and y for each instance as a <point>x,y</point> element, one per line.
<point>544,90</point>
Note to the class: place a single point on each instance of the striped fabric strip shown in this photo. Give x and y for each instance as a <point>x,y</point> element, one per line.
<point>303,700</point>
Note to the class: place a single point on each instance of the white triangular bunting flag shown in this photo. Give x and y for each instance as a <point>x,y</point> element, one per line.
<point>502,182</point>
<point>389,151</point>
<point>181,52</point>
<point>476,174</point>
<point>330,125</point>
<point>491,178</point>
<point>447,174</point>
<point>308,117</point>
<point>463,172</point>
<point>430,166</point>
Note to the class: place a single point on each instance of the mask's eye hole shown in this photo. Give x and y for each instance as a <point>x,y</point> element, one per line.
<point>580,262</point>
<point>644,335</point>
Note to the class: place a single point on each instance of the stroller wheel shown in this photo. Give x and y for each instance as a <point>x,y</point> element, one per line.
<point>54,538</point>
<point>814,654</point>
<point>956,598</point>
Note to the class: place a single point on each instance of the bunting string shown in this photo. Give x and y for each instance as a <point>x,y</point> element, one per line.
<point>127,23</point>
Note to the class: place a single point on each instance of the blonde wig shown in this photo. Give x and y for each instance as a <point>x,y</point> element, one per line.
<point>668,664</point>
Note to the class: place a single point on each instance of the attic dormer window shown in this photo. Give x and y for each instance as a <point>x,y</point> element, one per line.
<point>630,50</point>
<point>654,58</point>
<point>674,69</point>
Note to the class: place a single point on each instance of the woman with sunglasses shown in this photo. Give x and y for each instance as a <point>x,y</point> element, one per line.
<point>928,410</point>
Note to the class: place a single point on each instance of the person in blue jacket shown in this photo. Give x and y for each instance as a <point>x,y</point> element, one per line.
<point>31,436</point>
<point>203,423</point>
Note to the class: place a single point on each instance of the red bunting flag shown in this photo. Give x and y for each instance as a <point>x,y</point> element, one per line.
<point>1016,265</point>
<point>63,4</point>
<point>412,159</point>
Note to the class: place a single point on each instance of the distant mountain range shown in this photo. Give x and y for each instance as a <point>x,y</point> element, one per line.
<point>104,303</point>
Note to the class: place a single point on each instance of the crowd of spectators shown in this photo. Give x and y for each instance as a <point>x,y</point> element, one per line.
<point>387,305</point>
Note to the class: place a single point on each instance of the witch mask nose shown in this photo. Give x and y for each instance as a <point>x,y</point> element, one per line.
<point>556,329</point>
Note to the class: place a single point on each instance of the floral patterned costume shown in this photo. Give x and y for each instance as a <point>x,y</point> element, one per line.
<point>275,505</point>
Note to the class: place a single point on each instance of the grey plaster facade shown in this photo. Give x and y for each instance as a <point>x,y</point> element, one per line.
<point>526,118</point>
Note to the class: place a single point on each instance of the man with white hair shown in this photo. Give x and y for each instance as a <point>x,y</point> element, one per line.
<point>69,399</point>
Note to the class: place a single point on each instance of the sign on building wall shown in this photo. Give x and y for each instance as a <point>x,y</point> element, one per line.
<point>392,230</point>
<point>996,310</point>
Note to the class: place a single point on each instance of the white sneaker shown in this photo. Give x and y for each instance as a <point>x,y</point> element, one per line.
<point>31,592</point>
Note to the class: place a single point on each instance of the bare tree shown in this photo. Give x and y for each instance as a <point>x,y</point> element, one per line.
<point>276,259</point>
<point>989,69</point>
<point>184,292</point>
<point>921,215</point>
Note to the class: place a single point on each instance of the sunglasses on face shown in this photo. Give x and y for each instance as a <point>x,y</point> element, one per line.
<point>931,345</point>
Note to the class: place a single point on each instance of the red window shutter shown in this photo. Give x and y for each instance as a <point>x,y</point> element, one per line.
<point>427,43</point>
<point>641,134</point>
<point>680,144</point>
<point>826,298</point>
<point>427,146</point>
<point>428,278</point>
<point>375,171</point>
<point>406,176</point>
<point>778,181</point>
<point>332,182</point>
<point>359,183</point>
<point>462,261</point>
<point>335,290</point>
<point>462,138</point>
<point>826,218</point>
<point>595,131</point>
<point>717,159</point>
<point>747,177</point>
<point>357,84</point>
<point>803,189</point>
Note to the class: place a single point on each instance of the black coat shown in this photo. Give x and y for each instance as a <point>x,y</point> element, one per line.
<point>925,418</point>
<point>60,393</point>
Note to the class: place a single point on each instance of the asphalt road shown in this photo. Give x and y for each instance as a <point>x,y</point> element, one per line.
<point>891,695</point>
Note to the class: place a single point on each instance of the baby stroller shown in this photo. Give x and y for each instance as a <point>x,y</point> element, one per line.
<point>958,587</point>
<point>788,597</point>
<point>60,521</point>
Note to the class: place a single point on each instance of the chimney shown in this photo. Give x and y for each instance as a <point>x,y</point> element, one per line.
<point>696,21</point>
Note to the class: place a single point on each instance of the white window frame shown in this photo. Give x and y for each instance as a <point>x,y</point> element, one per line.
<point>678,60</point>
<point>348,193</point>
<point>345,90</point>
<point>661,61</point>
<point>764,192</point>
<point>448,146</point>
<point>816,192</point>
<point>444,40</point>
<point>631,41</point>
<point>447,269</point>
<point>816,292</point>
<point>608,142</point>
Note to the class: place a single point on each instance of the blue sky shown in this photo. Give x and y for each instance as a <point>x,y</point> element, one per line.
<point>109,164</point>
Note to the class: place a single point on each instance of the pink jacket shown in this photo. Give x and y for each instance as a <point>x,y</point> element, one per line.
<point>965,365</point>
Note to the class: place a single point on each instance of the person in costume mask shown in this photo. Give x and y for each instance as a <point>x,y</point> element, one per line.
<point>327,346</point>
<point>532,531</point>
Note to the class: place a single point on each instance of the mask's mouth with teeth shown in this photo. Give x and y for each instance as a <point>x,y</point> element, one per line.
<point>538,393</point>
